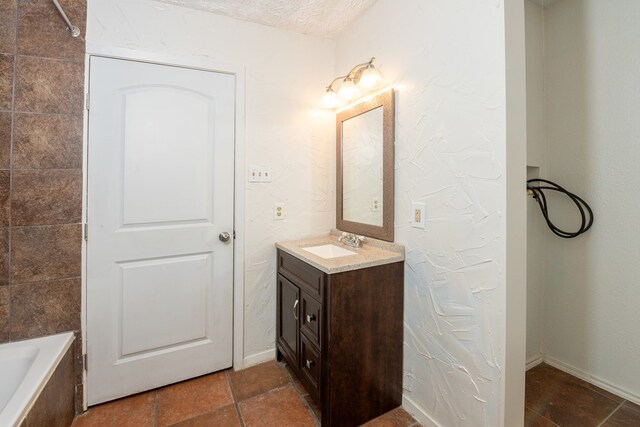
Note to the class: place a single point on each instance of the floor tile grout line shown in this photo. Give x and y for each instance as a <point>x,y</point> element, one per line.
<point>611,414</point>
<point>156,403</point>
<point>239,414</point>
<point>585,384</point>
<point>228,378</point>
<point>302,398</point>
<point>227,375</point>
<point>541,415</point>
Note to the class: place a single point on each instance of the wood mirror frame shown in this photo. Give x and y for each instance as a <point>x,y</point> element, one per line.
<point>384,232</point>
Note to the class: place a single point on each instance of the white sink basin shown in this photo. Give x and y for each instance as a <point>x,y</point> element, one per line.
<point>329,251</point>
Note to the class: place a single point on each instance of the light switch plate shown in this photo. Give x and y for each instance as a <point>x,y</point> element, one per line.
<point>418,215</point>
<point>257,173</point>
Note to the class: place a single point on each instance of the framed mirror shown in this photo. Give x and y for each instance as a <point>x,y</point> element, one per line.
<point>364,166</point>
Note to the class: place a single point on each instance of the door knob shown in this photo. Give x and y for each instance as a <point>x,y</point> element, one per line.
<point>224,237</point>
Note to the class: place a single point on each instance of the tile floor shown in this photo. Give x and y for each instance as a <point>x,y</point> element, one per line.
<point>264,395</point>
<point>554,398</point>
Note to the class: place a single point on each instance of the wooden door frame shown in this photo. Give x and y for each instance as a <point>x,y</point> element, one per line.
<point>204,64</point>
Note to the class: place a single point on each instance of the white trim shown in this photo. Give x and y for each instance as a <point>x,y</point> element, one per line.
<point>258,358</point>
<point>206,64</point>
<point>197,63</point>
<point>238,222</point>
<point>534,361</point>
<point>83,250</point>
<point>625,394</point>
<point>418,413</point>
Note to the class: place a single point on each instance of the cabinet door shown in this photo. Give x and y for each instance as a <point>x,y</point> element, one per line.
<point>288,320</point>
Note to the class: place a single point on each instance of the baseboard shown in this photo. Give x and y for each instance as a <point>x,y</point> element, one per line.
<point>625,394</point>
<point>418,413</point>
<point>534,361</point>
<point>258,358</point>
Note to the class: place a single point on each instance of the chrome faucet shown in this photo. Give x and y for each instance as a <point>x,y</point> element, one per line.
<point>351,239</point>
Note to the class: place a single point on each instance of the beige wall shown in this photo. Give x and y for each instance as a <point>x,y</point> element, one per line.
<point>592,57</point>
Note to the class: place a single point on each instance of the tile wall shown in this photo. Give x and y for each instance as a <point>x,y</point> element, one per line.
<point>41,107</point>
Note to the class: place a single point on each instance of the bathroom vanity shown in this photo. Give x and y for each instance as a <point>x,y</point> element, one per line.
<point>340,325</point>
<point>340,308</point>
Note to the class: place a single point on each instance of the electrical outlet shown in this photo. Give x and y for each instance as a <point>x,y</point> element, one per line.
<point>375,204</point>
<point>278,211</point>
<point>419,215</point>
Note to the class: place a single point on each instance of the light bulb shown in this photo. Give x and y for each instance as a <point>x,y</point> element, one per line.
<point>331,99</point>
<point>348,90</point>
<point>369,78</point>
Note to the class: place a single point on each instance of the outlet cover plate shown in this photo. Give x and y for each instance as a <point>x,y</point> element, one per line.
<point>278,211</point>
<point>418,215</point>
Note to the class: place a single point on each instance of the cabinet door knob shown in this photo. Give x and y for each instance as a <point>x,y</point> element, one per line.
<point>295,309</point>
<point>311,318</point>
<point>310,363</point>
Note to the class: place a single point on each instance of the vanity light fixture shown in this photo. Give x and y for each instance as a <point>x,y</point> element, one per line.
<point>358,82</point>
<point>348,89</point>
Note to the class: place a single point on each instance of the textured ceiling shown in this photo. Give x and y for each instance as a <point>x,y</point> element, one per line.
<point>318,17</point>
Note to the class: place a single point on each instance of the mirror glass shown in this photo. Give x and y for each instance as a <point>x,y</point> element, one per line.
<point>364,184</point>
<point>362,168</point>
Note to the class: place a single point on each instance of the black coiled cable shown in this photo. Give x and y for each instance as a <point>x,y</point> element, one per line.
<point>538,194</point>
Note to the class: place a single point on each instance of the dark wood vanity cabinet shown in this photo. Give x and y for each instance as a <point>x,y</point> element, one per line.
<point>342,334</point>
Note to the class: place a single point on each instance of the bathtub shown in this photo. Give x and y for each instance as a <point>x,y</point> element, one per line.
<point>25,368</point>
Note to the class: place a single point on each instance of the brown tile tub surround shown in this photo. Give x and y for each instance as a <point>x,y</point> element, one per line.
<point>45,253</point>
<point>6,81</point>
<point>41,107</point>
<point>47,141</point>
<point>39,30</point>
<point>55,407</point>
<point>261,396</point>
<point>46,197</point>
<point>8,27</point>
<point>4,260</point>
<point>5,140</point>
<point>555,398</point>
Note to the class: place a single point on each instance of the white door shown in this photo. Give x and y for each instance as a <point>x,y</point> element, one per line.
<point>160,193</point>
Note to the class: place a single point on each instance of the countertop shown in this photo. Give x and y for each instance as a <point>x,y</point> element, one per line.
<point>372,253</point>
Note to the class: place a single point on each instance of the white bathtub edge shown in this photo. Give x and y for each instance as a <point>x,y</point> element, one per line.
<point>38,375</point>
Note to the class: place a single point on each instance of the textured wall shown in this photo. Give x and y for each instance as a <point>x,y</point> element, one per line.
<point>286,73</point>
<point>41,106</point>
<point>447,60</point>
<point>592,53</point>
